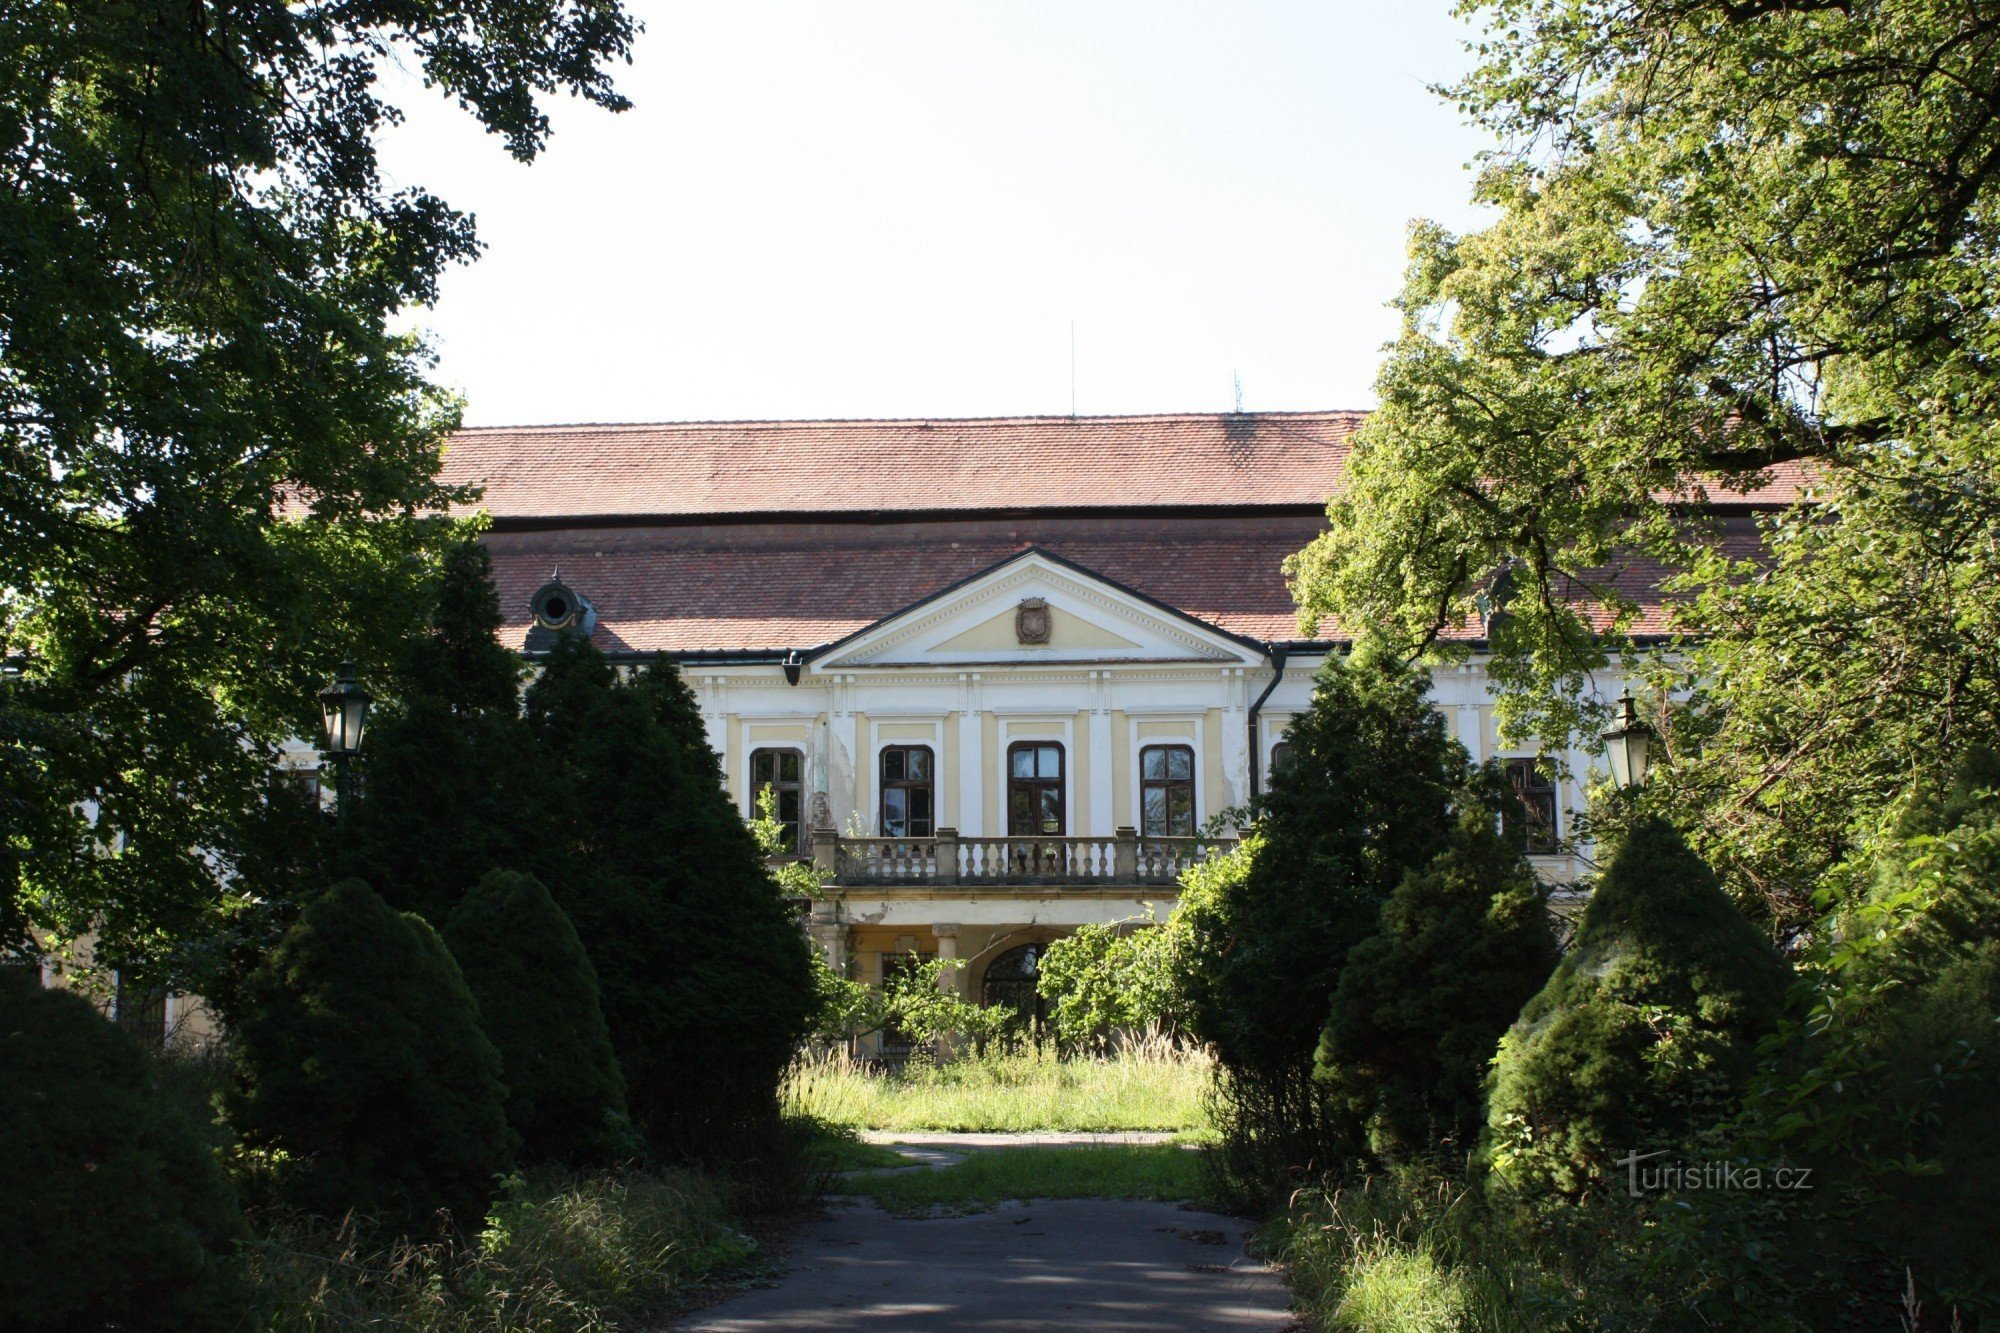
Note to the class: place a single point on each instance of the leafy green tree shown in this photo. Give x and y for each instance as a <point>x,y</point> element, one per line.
<point>358,1058</point>
<point>706,974</point>
<point>1730,237</point>
<point>1100,980</point>
<point>1645,1033</point>
<point>113,1211</point>
<point>454,782</point>
<point>539,1005</point>
<point>221,458</point>
<point>917,1003</point>
<point>1422,1003</point>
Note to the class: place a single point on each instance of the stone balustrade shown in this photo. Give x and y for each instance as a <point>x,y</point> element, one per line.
<point>948,859</point>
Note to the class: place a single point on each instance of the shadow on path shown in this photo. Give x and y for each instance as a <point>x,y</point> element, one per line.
<point>1113,1266</point>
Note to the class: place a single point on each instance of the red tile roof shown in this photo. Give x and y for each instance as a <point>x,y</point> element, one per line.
<point>761,467</point>
<point>707,536</point>
<point>783,586</point>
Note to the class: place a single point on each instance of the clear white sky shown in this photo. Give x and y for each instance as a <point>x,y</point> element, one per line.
<point>850,208</point>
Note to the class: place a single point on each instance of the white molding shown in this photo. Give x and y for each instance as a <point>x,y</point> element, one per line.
<point>981,599</point>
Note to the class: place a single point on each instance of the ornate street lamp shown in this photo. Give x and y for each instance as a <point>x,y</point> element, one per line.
<point>344,706</point>
<point>1626,745</point>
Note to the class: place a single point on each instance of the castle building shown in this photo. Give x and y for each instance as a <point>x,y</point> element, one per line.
<point>1005,676</point>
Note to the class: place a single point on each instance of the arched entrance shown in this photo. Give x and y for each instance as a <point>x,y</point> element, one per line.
<point>1010,982</point>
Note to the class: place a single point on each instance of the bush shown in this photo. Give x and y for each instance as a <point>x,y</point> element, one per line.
<point>538,1004</point>
<point>113,1212</point>
<point>1422,1004</point>
<point>568,1254</point>
<point>1367,798</point>
<point>1100,982</point>
<point>1644,1032</point>
<point>1265,933</point>
<point>360,1062</point>
<point>1892,1100</point>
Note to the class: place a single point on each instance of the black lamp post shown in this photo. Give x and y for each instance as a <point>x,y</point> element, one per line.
<point>344,706</point>
<point>1626,744</point>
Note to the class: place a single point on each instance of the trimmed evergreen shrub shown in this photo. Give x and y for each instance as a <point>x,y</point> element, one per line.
<point>359,1058</point>
<point>706,974</point>
<point>452,784</point>
<point>1644,1032</point>
<point>539,1005</point>
<point>113,1211</point>
<point>1368,797</point>
<point>1422,1004</point>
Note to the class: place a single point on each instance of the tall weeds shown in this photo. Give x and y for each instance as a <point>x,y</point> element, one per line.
<point>578,1254</point>
<point>1143,1086</point>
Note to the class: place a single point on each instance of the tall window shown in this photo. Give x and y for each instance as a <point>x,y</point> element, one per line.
<point>781,771</point>
<point>1166,791</point>
<point>1283,755</point>
<point>1535,787</point>
<point>1034,789</point>
<point>908,796</point>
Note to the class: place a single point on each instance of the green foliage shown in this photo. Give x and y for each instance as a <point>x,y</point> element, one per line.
<point>707,979</point>
<point>1367,797</point>
<point>842,1007</point>
<point>1643,1035</point>
<point>453,783</point>
<point>1151,1085</point>
<point>359,1061</point>
<point>1101,981</point>
<point>798,879</point>
<point>919,1003</point>
<point>1727,237</point>
<point>1422,1004</point>
<point>1884,1075</point>
<point>113,1211</point>
<point>538,1004</point>
<point>1263,935</point>
<point>560,1254</point>
<point>221,457</point>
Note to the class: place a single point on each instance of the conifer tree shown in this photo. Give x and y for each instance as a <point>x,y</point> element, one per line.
<point>539,1005</point>
<point>706,978</point>
<point>1422,1003</point>
<point>1643,1033</point>
<point>451,781</point>
<point>113,1211</point>
<point>359,1056</point>
<point>1367,798</point>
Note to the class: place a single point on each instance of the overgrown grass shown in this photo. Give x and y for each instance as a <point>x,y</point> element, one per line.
<point>564,1255</point>
<point>1406,1252</point>
<point>1154,1087</point>
<point>990,1176</point>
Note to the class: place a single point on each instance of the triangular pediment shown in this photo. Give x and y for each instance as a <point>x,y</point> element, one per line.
<point>1073,616</point>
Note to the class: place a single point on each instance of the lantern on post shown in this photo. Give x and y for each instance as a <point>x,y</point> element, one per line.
<point>344,708</point>
<point>1627,745</point>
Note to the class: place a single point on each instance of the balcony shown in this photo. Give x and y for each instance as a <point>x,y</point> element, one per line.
<point>951,861</point>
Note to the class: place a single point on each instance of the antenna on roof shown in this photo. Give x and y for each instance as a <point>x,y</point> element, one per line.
<point>1239,391</point>
<point>1072,369</point>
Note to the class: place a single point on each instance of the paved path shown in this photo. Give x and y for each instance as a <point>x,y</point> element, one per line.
<point>1111,1266</point>
<point>1108,1265</point>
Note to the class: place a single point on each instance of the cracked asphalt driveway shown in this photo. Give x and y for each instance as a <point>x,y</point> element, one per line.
<point>1113,1266</point>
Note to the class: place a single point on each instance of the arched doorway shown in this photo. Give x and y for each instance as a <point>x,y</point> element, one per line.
<point>1010,983</point>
